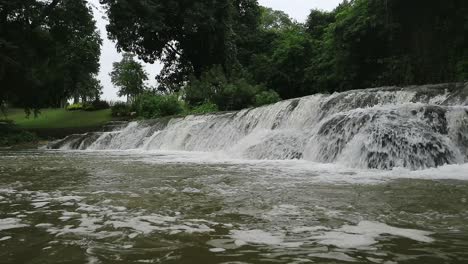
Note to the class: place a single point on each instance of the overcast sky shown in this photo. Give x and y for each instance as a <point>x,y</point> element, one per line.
<point>297,9</point>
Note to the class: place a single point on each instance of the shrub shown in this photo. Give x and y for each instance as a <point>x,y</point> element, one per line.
<point>153,106</point>
<point>236,95</point>
<point>11,135</point>
<point>121,109</point>
<point>214,87</point>
<point>75,107</point>
<point>205,108</point>
<point>267,97</point>
<point>96,106</point>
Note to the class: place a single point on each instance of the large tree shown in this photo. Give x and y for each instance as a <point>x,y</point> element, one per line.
<point>46,47</point>
<point>129,76</point>
<point>188,36</point>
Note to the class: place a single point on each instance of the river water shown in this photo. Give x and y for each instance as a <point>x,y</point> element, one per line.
<point>194,207</point>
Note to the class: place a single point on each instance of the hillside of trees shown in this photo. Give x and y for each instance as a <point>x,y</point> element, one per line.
<point>229,52</point>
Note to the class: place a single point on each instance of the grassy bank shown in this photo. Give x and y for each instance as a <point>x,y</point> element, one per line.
<point>58,123</point>
<point>59,118</point>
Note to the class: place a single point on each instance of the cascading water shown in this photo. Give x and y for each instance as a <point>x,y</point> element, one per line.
<point>414,127</point>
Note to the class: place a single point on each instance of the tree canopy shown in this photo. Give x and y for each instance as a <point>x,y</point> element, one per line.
<point>47,49</point>
<point>189,37</point>
<point>229,52</point>
<point>129,76</point>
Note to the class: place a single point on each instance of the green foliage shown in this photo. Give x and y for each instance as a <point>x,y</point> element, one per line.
<point>214,87</point>
<point>205,108</point>
<point>46,49</point>
<point>121,109</point>
<point>189,37</point>
<point>129,76</point>
<point>225,52</point>
<point>154,106</point>
<point>376,43</point>
<point>75,107</point>
<point>266,98</point>
<point>96,105</point>
<point>274,20</point>
<point>59,118</point>
<point>11,135</point>
<point>89,88</point>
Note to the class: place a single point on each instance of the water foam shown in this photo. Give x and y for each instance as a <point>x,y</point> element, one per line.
<point>366,234</point>
<point>416,127</point>
<point>11,223</point>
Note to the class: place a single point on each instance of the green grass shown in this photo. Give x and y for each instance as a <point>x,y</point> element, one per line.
<point>59,118</point>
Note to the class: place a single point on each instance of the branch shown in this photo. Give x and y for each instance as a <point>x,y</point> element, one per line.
<point>169,46</point>
<point>45,13</point>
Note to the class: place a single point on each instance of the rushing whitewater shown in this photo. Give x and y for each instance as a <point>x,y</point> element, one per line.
<point>413,127</point>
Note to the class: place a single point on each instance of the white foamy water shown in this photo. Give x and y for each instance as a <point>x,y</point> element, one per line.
<point>415,127</point>
<point>11,223</point>
<point>366,234</point>
<point>243,237</point>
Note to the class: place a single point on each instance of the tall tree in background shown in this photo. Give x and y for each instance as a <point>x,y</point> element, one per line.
<point>188,36</point>
<point>395,42</point>
<point>129,76</point>
<point>46,47</point>
<point>78,48</point>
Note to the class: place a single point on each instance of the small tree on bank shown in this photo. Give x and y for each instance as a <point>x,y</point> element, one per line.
<point>129,76</point>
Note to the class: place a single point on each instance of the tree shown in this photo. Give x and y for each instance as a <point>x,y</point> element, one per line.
<point>129,76</point>
<point>279,54</point>
<point>189,37</point>
<point>89,89</point>
<point>274,19</point>
<point>46,47</point>
<point>396,42</point>
<point>79,46</point>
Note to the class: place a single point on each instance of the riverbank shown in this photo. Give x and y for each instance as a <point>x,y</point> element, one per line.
<point>59,118</point>
<point>20,131</point>
<point>11,136</point>
<point>58,123</point>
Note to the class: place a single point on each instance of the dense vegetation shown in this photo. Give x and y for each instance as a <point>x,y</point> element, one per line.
<point>11,135</point>
<point>226,54</point>
<point>229,52</point>
<point>49,52</point>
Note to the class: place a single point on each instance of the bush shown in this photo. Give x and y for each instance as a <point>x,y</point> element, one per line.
<point>11,135</point>
<point>205,108</point>
<point>121,109</point>
<point>214,87</point>
<point>75,107</point>
<point>266,98</point>
<point>154,106</point>
<point>96,106</point>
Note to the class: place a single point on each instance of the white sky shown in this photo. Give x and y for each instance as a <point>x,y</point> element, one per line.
<point>297,9</point>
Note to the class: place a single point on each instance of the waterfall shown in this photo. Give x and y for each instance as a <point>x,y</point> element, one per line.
<point>414,127</point>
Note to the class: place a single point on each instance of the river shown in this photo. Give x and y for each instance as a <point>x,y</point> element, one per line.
<point>193,207</point>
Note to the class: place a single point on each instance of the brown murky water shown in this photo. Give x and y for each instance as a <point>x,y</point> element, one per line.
<point>126,207</point>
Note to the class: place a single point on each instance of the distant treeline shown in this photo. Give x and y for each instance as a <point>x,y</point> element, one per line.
<point>227,52</point>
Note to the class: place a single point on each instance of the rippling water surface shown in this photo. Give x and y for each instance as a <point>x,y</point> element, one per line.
<point>167,207</point>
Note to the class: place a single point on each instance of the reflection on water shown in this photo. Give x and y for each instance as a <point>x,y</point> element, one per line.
<point>123,207</point>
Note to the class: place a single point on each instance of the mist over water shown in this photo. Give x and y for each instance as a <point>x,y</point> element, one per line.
<point>372,176</point>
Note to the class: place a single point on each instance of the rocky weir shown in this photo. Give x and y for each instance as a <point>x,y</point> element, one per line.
<point>414,127</point>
